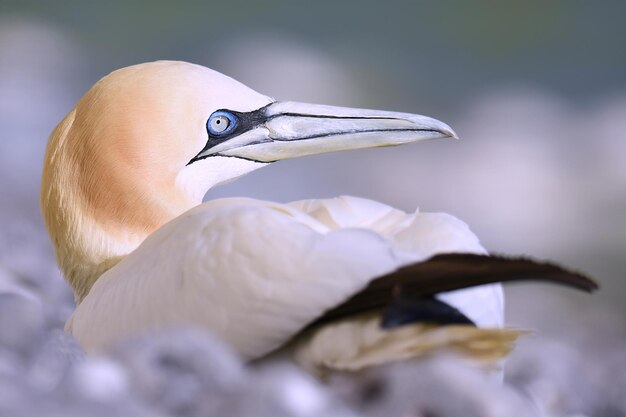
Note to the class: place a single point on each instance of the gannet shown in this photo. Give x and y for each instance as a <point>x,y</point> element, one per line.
<point>124,177</point>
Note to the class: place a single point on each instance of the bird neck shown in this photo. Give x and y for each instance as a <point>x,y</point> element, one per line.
<point>97,213</point>
<point>90,237</point>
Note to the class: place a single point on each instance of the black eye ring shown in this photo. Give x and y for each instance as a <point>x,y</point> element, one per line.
<point>221,123</point>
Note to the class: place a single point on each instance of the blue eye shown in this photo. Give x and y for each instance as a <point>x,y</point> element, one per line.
<point>221,122</point>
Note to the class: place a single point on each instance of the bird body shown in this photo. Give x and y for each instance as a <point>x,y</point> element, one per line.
<point>257,272</point>
<point>124,177</point>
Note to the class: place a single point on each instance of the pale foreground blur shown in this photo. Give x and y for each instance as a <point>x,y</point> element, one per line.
<point>534,174</point>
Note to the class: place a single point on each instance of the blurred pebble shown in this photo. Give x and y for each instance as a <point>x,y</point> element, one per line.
<point>441,386</point>
<point>53,359</point>
<point>15,396</point>
<point>183,371</point>
<point>286,391</point>
<point>21,322</point>
<point>609,384</point>
<point>563,380</point>
<point>53,407</point>
<point>11,283</point>
<point>97,379</point>
<point>11,363</point>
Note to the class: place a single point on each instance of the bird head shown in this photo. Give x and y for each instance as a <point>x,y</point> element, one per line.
<point>146,142</point>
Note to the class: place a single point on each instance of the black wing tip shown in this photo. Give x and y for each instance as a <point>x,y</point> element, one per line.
<point>546,270</point>
<point>453,271</point>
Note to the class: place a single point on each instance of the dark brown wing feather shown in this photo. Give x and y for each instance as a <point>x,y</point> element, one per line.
<point>449,272</point>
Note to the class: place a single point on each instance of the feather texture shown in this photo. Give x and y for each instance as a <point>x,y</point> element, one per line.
<point>124,176</point>
<point>256,273</point>
<point>448,272</point>
<point>360,342</point>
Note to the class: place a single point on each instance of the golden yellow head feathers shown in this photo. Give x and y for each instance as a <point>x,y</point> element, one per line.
<point>146,142</point>
<point>111,166</point>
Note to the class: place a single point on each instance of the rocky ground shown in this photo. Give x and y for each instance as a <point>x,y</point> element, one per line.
<point>185,372</point>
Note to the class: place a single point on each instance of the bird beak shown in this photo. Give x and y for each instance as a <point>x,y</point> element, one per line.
<point>284,130</point>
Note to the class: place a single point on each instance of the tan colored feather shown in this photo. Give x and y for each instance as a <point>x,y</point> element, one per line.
<point>117,169</point>
<point>360,342</point>
<point>110,172</point>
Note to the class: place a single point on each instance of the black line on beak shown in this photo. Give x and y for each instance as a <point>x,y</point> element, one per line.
<point>249,120</point>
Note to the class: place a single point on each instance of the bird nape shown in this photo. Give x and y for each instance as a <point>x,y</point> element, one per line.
<point>339,284</point>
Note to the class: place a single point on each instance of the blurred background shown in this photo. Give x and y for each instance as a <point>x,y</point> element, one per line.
<point>536,90</point>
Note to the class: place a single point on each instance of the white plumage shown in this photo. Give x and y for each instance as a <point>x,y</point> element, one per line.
<point>257,272</point>
<point>125,174</point>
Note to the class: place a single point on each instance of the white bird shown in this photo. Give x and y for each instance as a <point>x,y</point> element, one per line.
<point>124,177</point>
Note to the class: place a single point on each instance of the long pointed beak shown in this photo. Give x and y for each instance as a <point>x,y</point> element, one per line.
<point>284,130</point>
